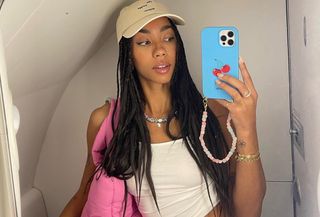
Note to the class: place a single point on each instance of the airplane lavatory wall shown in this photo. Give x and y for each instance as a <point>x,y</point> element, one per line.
<point>61,60</point>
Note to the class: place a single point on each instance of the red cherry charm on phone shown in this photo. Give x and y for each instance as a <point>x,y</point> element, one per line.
<point>216,72</point>
<point>225,68</point>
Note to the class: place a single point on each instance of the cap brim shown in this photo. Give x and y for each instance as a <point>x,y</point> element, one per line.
<point>137,26</point>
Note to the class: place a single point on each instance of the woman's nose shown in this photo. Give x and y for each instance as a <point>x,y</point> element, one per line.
<point>159,51</point>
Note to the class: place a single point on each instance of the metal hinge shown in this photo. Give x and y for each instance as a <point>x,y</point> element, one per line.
<point>297,134</point>
<point>296,191</point>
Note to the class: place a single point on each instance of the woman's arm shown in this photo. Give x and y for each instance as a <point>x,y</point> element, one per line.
<point>75,205</point>
<point>249,184</point>
<point>216,212</point>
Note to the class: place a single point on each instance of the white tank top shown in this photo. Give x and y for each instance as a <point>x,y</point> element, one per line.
<point>179,185</point>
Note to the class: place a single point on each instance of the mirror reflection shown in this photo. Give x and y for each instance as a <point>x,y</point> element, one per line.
<point>60,63</point>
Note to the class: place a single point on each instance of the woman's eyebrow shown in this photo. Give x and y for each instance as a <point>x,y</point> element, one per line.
<point>163,28</point>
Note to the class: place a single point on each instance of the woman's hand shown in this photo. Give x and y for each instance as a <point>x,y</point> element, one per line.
<point>243,108</point>
<point>250,185</point>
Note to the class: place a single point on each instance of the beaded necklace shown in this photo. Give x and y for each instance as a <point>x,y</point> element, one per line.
<point>202,131</point>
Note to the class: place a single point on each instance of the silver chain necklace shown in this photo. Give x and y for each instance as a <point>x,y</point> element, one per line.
<point>157,121</point>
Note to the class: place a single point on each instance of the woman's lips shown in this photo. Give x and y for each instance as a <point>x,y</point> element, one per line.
<point>162,69</point>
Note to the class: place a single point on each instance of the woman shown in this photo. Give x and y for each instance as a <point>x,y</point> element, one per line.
<point>156,123</point>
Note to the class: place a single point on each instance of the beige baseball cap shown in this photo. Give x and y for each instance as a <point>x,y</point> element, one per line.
<point>134,17</point>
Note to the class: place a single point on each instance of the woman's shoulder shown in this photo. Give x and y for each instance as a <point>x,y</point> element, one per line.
<point>99,114</point>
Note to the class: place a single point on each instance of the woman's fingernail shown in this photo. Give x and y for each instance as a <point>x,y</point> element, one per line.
<point>220,75</point>
<point>241,60</point>
<point>218,81</point>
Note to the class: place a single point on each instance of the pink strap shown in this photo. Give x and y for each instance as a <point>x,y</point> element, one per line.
<point>104,134</point>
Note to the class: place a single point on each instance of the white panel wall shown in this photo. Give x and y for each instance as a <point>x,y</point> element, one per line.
<point>305,93</point>
<point>9,159</point>
<point>64,149</point>
<point>17,20</point>
<point>278,200</point>
<point>36,110</point>
<point>33,204</point>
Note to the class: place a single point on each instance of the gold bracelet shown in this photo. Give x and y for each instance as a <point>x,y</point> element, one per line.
<point>247,157</point>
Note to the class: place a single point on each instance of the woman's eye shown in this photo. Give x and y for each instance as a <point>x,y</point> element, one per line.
<point>143,43</point>
<point>169,38</point>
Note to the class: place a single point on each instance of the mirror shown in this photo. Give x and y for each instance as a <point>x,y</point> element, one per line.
<point>61,62</point>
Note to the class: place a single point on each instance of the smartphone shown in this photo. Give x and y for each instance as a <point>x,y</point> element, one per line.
<point>220,54</point>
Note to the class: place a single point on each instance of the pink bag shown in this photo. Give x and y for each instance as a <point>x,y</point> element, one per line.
<point>106,194</point>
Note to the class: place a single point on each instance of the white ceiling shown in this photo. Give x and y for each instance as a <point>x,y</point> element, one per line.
<point>46,42</point>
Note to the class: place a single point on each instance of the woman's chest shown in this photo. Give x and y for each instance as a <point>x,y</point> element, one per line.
<point>172,167</point>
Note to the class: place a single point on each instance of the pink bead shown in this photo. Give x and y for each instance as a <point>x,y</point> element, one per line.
<point>207,152</point>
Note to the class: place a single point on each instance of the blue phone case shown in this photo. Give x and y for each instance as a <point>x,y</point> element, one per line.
<point>218,56</point>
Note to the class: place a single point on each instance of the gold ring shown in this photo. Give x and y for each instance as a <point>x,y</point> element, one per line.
<point>247,94</point>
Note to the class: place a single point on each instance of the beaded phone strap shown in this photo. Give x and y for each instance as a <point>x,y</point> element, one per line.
<point>202,131</point>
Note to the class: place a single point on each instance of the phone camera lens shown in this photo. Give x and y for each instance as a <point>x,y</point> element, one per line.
<point>230,34</point>
<point>223,38</point>
<point>230,42</point>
